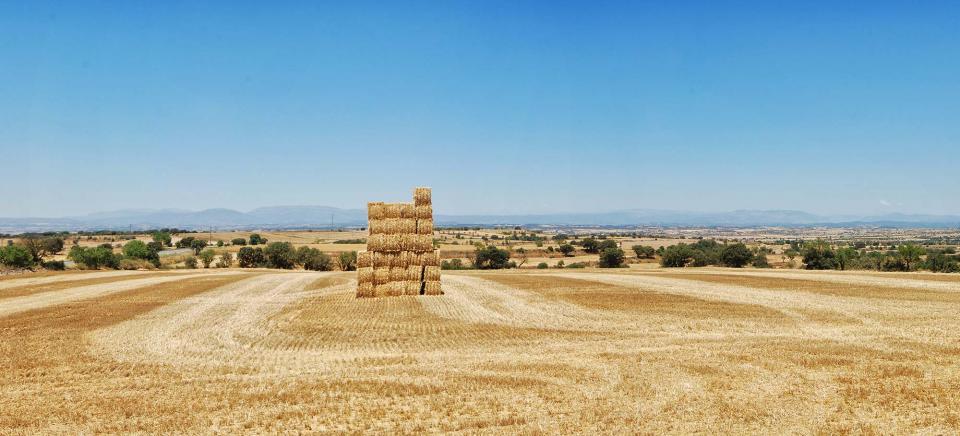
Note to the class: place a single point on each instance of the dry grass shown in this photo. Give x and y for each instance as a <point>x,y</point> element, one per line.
<point>546,352</point>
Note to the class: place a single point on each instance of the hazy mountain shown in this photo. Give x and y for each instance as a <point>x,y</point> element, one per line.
<point>280,217</point>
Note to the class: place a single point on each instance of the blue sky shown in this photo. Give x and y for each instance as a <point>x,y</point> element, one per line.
<point>502,107</point>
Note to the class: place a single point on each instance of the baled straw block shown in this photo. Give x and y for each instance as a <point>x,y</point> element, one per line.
<point>415,273</point>
<point>392,243</point>
<point>430,258</point>
<point>381,276</point>
<point>398,274</point>
<point>425,226</point>
<point>391,210</point>
<point>412,287</point>
<point>432,288</point>
<point>365,290</point>
<point>375,210</point>
<point>376,243</point>
<point>382,259</point>
<point>383,290</point>
<point>422,196</point>
<point>396,289</point>
<point>431,273</point>
<point>364,259</point>
<point>365,275</point>
<point>405,259</point>
<point>424,211</point>
<point>378,226</point>
<point>407,242</point>
<point>408,210</point>
<point>421,243</point>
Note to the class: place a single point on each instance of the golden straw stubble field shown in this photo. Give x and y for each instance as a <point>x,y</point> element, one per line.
<point>708,350</point>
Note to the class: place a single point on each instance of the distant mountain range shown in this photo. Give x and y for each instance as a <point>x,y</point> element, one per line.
<point>291,217</point>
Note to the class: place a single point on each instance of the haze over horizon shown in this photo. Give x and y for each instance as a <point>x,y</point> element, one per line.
<point>503,108</point>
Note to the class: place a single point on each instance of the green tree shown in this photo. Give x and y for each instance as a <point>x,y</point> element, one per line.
<point>590,245</point>
<point>736,255</point>
<point>226,260</point>
<point>250,257</point>
<point>238,241</point>
<point>347,261</point>
<point>611,258</point>
<point>942,263</point>
<point>207,256</point>
<point>676,256</point>
<point>910,254</point>
<point>163,238</point>
<point>644,251</point>
<point>256,239</point>
<point>542,265</point>
<point>185,242</point>
<point>16,256</point>
<point>491,257</point>
<point>845,256</point>
<point>280,255</point>
<point>818,254</point>
<point>565,249</point>
<point>198,245</point>
<point>94,258</point>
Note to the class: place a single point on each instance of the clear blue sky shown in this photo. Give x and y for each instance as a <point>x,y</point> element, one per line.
<point>500,106</point>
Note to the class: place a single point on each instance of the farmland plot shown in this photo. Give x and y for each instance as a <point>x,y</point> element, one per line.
<point>588,351</point>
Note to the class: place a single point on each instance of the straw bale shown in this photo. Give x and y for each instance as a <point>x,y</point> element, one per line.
<point>421,243</point>
<point>398,274</point>
<point>432,288</point>
<point>422,196</point>
<point>378,226</point>
<point>425,226</point>
<point>396,289</point>
<point>415,273</point>
<point>365,290</point>
<point>412,287</point>
<point>365,275</point>
<point>381,275</point>
<point>364,259</point>
<point>430,258</point>
<point>431,273</point>
<point>383,290</point>
<point>386,243</point>
<point>375,243</point>
<point>375,210</point>
<point>391,210</point>
<point>405,226</point>
<point>408,210</point>
<point>405,259</point>
<point>424,211</point>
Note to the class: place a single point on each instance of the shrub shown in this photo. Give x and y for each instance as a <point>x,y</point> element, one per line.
<point>560,264</point>
<point>910,255</point>
<point>347,261</point>
<point>280,255</point>
<point>565,249</point>
<point>644,251</point>
<point>191,262</point>
<point>491,257</point>
<point>611,258</point>
<point>256,239</point>
<point>453,264</point>
<point>207,256</point>
<point>542,265</point>
<point>198,245</point>
<point>94,258</point>
<point>313,259</point>
<point>226,260</point>
<point>163,238</point>
<point>736,255</point>
<point>676,256</point>
<point>249,257</point>
<point>818,255</point>
<point>590,245</point>
<point>760,260</point>
<point>16,256</point>
<point>577,265</point>
<point>238,241</point>
<point>942,263</point>
<point>185,242</point>
<point>54,265</point>
<point>134,264</point>
<point>219,243</point>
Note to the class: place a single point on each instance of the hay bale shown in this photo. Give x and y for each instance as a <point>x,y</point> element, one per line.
<point>398,274</point>
<point>430,258</point>
<point>383,290</point>
<point>382,259</point>
<point>365,275</point>
<point>381,276</point>
<point>421,243</point>
<point>431,273</point>
<point>406,258</point>
<point>415,273</point>
<point>375,243</point>
<point>378,226</point>
<point>365,290</point>
<point>375,210</point>
<point>424,211</point>
<point>364,259</point>
<point>391,210</point>
<point>402,226</point>
<point>425,226</point>
<point>422,196</point>
<point>432,288</point>
<point>408,210</point>
<point>412,287</point>
<point>384,243</point>
<point>396,289</point>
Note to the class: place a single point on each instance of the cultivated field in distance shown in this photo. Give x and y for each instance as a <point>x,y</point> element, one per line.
<point>709,350</point>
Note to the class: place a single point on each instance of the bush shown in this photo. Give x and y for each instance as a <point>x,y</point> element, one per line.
<point>16,256</point>
<point>226,260</point>
<point>565,249</point>
<point>185,242</point>
<point>163,238</point>
<point>207,256</point>
<point>542,265</point>
<point>676,256</point>
<point>453,264</point>
<point>611,257</point>
<point>577,265</point>
<point>818,255</point>
<point>94,258</point>
<point>644,251</point>
<point>280,255</point>
<point>191,262</point>
<point>249,257</point>
<point>238,241</point>
<point>256,239</point>
<point>590,245</point>
<point>347,261</point>
<point>942,263</point>
<point>134,264</point>
<point>198,245</point>
<point>219,243</point>
<point>491,257</point>
<point>760,260</point>
<point>313,259</point>
<point>736,255</point>
<point>54,265</point>
<point>560,264</point>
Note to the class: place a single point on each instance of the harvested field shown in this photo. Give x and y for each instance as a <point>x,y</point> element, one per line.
<point>556,352</point>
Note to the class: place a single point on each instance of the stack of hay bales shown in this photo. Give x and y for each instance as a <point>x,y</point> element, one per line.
<point>400,259</point>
